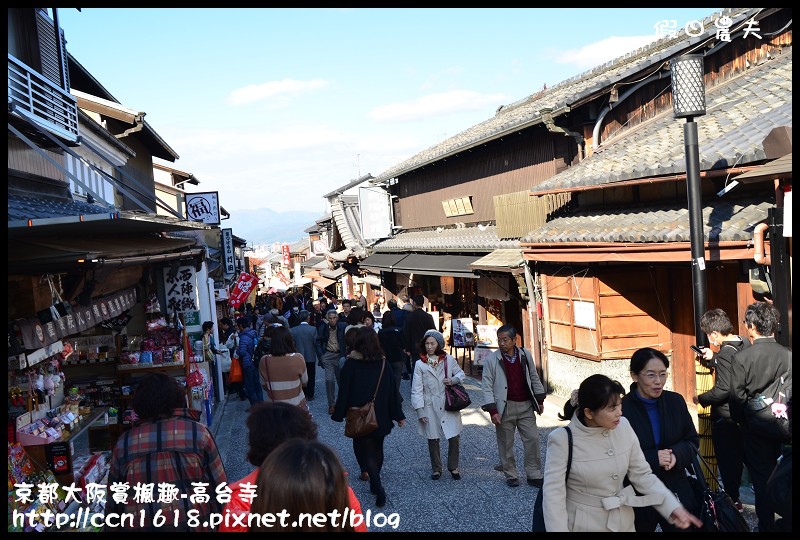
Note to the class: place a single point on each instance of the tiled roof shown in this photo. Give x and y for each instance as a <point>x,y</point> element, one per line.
<point>723,220</point>
<point>740,114</point>
<point>347,217</point>
<point>23,208</point>
<point>529,111</point>
<point>350,184</point>
<point>467,239</point>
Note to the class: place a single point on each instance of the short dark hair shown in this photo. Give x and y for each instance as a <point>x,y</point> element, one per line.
<point>244,322</point>
<point>157,396</point>
<point>641,357</point>
<point>762,316</point>
<point>388,319</point>
<point>508,329</point>
<point>716,320</point>
<point>303,315</point>
<point>347,301</point>
<point>207,325</point>
<point>356,315</point>
<point>419,300</point>
<point>392,303</point>
<point>271,423</point>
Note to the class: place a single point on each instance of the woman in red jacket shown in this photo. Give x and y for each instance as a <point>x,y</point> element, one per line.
<point>269,425</point>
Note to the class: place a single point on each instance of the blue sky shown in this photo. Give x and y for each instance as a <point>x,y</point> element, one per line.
<point>274,108</point>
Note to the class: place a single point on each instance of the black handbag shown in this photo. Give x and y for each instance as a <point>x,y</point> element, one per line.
<point>538,510</point>
<point>717,510</point>
<point>456,396</point>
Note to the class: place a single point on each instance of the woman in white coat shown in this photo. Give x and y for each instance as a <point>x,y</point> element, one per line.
<point>427,398</point>
<point>605,450</point>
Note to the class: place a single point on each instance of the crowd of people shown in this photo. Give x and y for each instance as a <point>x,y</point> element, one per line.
<point>630,454</point>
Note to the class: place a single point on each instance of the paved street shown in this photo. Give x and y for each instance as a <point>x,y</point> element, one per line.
<point>480,501</point>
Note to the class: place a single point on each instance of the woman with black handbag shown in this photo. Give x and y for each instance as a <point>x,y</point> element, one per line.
<point>428,399</point>
<point>361,375</point>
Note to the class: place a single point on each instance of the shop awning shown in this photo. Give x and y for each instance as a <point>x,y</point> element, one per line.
<point>312,262</point>
<point>322,282</point>
<point>333,274</point>
<point>779,168</point>
<point>65,252</point>
<point>500,260</point>
<point>437,265</point>
<point>369,278</point>
<point>382,261</point>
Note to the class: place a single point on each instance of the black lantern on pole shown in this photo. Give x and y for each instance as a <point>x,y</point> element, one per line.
<point>689,101</point>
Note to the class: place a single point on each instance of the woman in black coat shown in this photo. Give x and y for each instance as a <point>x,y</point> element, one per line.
<point>666,433</point>
<point>358,380</point>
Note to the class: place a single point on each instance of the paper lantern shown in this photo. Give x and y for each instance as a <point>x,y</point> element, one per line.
<point>448,284</point>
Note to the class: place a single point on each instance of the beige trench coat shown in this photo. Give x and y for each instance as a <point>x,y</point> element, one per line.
<point>427,398</point>
<point>593,499</point>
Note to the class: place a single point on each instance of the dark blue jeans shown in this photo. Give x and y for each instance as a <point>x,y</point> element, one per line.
<point>252,384</point>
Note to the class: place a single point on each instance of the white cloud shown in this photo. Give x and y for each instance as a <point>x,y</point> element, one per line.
<point>271,89</point>
<point>594,54</point>
<point>432,105</point>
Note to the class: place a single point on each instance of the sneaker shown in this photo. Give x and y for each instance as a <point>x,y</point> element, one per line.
<point>436,476</point>
<point>364,476</point>
<point>456,475</point>
<point>512,482</point>
<point>498,467</point>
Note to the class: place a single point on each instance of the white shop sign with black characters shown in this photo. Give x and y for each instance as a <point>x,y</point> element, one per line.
<point>181,289</point>
<point>203,207</point>
<point>228,253</point>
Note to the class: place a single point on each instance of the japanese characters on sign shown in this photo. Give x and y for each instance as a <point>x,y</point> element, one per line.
<point>227,252</point>
<point>286,258</point>
<point>181,289</point>
<point>244,286</point>
<point>203,207</point>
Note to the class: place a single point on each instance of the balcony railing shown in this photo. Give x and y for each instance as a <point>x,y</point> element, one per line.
<point>39,100</point>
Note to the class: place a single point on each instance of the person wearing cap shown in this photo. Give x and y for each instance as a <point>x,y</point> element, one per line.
<point>512,391</point>
<point>434,370</point>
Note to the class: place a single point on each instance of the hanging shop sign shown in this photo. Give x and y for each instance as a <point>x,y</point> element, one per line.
<point>286,260</point>
<point>228,253</point>
<point>204,207</point>
<point>180,284</point>
<point>244,286</point>
<point>36,334</point>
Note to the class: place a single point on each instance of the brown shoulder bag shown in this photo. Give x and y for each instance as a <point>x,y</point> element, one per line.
<point>361,421</point>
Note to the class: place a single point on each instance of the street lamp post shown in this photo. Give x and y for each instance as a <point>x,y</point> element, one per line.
<point>689,101</point>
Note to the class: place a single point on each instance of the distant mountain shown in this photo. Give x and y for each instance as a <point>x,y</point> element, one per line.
<point>265,226</point>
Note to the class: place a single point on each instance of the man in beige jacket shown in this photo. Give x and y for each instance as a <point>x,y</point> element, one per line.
<point>512,395</point>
